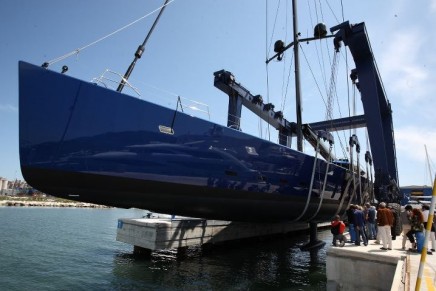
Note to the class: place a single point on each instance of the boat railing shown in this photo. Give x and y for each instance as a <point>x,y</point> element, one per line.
<point>194,106</point>
<point>111,80</point>
<point>107,80</point>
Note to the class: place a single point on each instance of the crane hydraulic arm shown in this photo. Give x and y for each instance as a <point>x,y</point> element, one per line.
<point>240,96</point>
<point>377,109</point>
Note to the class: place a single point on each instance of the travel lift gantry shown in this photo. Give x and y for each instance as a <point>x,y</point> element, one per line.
<point>377,117</point>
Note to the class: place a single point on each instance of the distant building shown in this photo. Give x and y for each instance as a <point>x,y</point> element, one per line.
<point>3,185</point>
<point>16,187</point>
<point>418,194</point>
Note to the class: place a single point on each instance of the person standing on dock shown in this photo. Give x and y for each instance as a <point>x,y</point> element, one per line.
<point>359,225</point>
<point>385,220</point>
<point>350,218</point>
<point>370,221</point>
<point>394,226</point>
<point>416,235</point>
<point>405,224</point>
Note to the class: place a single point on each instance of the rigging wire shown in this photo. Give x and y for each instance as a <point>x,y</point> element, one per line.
<point>342,140</point>
<point>333,92</point>
<point>313,75</point>
<point>284,55</point>
<point>78,50</point>
<point>285,79</point>
<point>329,86</point>
<point>319,13</point>
<point>333,13</point>
<point>310,12</point>
<point>268,50</point>
<point>344,150</point>
<point>342,9</point>
<point>266,64</point>
<point>319,54</point>
<point>316,10</point>
<point>320,63</point>
<point>287,84</point>
<point>266,57</point>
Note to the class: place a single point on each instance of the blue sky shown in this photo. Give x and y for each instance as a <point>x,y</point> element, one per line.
<point>196,38</point>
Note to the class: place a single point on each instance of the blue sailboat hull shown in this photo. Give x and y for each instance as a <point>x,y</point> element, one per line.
<point>85,142</point>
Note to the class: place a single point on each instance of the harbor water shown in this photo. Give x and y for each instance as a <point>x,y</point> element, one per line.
<point>75,249</point>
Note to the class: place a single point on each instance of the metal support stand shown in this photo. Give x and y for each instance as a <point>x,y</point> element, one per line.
<point>314,243</point>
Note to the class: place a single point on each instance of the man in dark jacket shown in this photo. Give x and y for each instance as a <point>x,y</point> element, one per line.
<point>350,219</point>
<point>370,221</point>
<point>359,225</point>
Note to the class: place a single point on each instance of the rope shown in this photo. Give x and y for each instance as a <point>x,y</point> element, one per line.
<point>76,51</point>
<point>309,195</point>
<point>360,178</point>
<point>323,186</point>
<point>351,169</point>
<point>329,111</point>
<point>344,138</point>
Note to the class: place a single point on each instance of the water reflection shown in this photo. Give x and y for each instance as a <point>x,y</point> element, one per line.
<point>276,264</point>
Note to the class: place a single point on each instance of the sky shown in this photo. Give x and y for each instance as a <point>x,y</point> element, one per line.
<point>193,39</point>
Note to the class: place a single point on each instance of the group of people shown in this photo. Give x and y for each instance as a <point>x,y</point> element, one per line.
<point>368,223</point>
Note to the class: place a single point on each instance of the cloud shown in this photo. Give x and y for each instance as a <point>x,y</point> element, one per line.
<point>410,142</point>
<point>433,6</point>
<point>411,156</point>
<point>8,108</point>
<point>402,67</point>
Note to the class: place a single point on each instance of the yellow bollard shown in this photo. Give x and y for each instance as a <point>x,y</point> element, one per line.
<point>427,234</point>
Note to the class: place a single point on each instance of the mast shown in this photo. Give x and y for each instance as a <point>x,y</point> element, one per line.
<point>320,32</point>
<point>140,50</point>
<point>297,77</point>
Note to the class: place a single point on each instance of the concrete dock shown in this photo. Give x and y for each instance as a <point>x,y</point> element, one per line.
<point>148,234</point>
<point>370,268</point>
<point>348,268</point>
